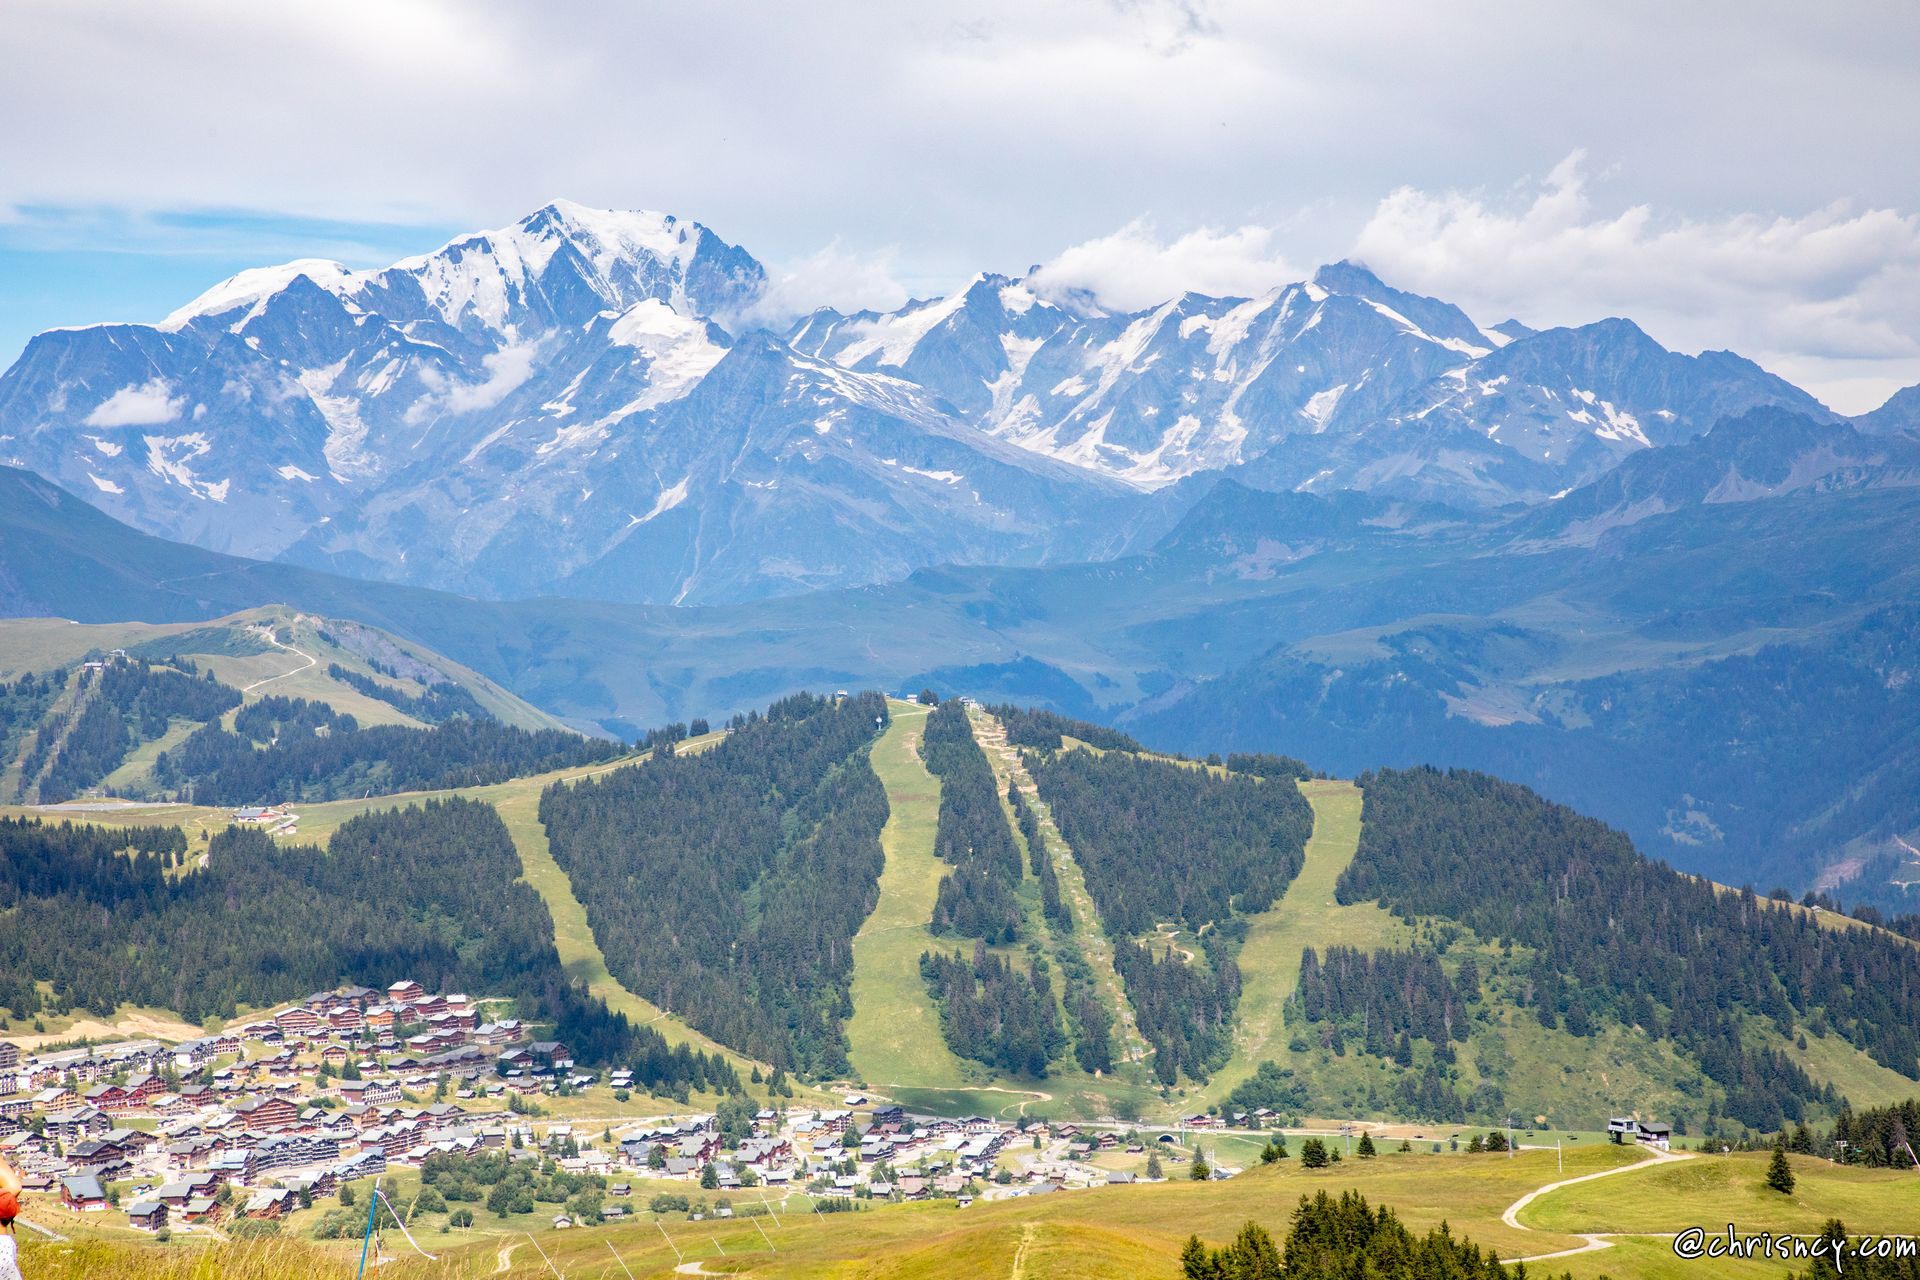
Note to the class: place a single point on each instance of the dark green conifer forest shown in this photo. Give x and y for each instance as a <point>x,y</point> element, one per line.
<point>430,892</point>
<point>727,885</point>
<point>1611,933</point>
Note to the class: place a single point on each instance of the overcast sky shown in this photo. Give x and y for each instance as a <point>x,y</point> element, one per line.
<point>1728,174</point>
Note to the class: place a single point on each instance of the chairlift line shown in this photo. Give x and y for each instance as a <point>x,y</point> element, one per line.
<point>373,1205</point>
<point>543,1255</point>
<point>381,1196</point>
<point>617,1258</point>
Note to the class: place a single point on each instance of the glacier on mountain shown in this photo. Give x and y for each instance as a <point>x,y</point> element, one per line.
<point>573,403</point>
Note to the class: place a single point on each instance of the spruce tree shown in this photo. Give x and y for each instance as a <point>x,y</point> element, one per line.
<point>1779,1172</point>
<point>1365,1150</point>
<point>1197,1261</point>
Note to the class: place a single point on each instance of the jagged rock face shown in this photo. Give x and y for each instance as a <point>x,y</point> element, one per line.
<point>547,406</point>
<point>281,398</point>
<point>1899,415</point>
<point>579,402</point>
<point>1339,382</point>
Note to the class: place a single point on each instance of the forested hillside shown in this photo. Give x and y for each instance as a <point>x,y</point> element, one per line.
<point>1047,730</point>
<point>108,710</point>
<point>1598,932</point>
<point>993,1013</point>
<point>442,700</point>
<point>109,917</point>
<point>977,898</point>
<point>289,749</point>
<point>67,733</point>
<point>727,886</point>
<point>1166,843</point>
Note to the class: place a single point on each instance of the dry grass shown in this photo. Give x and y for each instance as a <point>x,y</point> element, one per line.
<point>183,1259</point>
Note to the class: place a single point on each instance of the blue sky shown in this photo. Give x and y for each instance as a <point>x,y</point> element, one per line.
<point>1730,176</point>
<point>67,266</point>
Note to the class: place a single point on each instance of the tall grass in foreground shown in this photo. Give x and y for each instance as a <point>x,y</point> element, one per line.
<point>184,1260</point>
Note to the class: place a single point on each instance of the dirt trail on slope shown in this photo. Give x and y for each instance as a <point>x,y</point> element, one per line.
<point>1097,947</point>
<point>1595,1240</point>
<point>266,633</point>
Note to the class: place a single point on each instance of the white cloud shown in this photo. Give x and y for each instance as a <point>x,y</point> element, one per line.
<point>504,370</point>
<point>1831,297</point>
<point>834,277</point>
<point>1135,268</point>
<point>149,402</point>
<point>985,133</point>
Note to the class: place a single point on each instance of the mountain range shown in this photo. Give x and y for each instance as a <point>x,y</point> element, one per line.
<point>1350,629</point>
<point>587,403</point>
<point>1338,520</point>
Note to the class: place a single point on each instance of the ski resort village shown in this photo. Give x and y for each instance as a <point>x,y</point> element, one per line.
<point>290,1112</point>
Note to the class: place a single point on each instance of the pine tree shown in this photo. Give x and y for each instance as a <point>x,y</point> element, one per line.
<point>1199,1172</point>
<point>1779,1173</point>
<point>1197,1261</point>
<point>1365,1150</point>
<point>1313,1154</point>
<point>1154,1171</point>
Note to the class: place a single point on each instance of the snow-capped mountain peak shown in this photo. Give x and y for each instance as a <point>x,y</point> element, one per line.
<point>561,264</point>
<point>251,287</point>
<point>559,402</point>
<point>566,250</point>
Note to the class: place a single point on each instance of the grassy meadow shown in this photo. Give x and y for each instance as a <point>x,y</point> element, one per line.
<point>1113,1233</point>
<point>894,1033</point>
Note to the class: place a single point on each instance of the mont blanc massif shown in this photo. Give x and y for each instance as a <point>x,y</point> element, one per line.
<point>1336,520</point>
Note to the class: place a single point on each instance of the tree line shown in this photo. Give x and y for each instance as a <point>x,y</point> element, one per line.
<point>1877,1137</point>
<point>977,899</point>
<point>23,704</point>
<point>1343,1239</point>
<point>1274,768</point>
<point>289,749</point>
<point>440,701</point>
<point>123,704</point>
<point>430,892</point>
<point>1029,823</point>
<point>1047,730</point>
<point>727,885</point>
<point>1088,1020</point>
<point>1184,1010</point>
<point>1159,841</point>
<point>1615,935</point>
<point>1165,842</point>
<point>993,1013</point>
